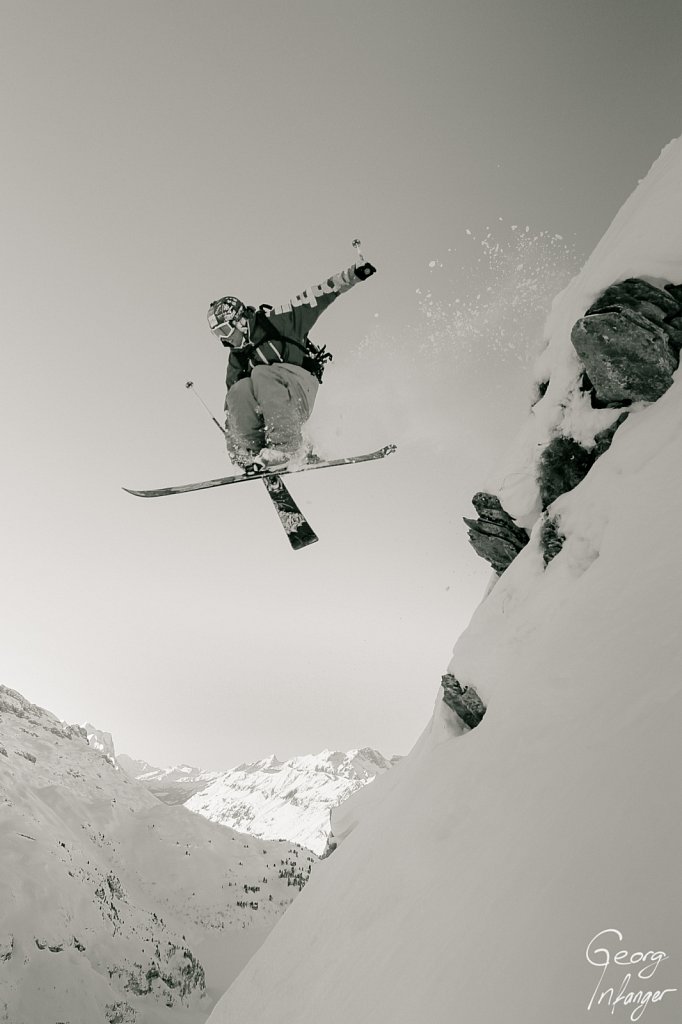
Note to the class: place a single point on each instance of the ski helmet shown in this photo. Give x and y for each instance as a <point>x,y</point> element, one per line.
<point>225,316</point>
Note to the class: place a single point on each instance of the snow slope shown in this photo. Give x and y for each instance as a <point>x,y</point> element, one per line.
<point>288,799</point>
<point>113,906</point>
<point>529,870</point>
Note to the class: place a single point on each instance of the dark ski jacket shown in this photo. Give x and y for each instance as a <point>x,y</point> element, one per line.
<point>279,334</point>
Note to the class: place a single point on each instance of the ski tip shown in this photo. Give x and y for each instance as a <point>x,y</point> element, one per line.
<point>138,494</point>
<point>298,543</point>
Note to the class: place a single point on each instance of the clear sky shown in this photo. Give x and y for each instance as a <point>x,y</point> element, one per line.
<point>158,154</point>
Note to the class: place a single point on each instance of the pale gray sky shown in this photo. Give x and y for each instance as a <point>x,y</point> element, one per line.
<point>158,154</point>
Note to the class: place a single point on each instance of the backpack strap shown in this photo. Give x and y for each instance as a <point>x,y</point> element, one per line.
<point>314,358</point>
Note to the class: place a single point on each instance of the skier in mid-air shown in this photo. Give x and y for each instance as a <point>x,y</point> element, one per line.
<point>274,370</point>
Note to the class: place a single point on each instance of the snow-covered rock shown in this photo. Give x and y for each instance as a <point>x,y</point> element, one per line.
<point>102,741</point>
<point>114,906</point>
<point>527,871</point>
<point>290,799</point>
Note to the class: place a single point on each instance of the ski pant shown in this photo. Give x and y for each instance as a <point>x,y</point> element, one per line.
<point>268,409</point>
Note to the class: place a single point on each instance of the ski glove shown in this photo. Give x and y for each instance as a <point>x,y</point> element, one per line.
<point>364,271</point>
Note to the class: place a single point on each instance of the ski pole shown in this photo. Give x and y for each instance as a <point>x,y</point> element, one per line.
<point>190,386</point>
<point>356,245</point>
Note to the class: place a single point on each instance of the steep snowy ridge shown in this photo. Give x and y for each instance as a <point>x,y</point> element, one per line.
<point>113,906</point>
<point>527,871</point>
<point>290,799</point>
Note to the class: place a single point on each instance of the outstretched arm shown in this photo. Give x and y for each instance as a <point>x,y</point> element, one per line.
<point>295,318</point>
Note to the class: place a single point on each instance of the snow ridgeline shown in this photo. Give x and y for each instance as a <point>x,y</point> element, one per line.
<point>528,870</point>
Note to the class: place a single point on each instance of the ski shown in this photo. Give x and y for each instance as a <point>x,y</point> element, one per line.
<point>264,475</point>
<point>297,528</point>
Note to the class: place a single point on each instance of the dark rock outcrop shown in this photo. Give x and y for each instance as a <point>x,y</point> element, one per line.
<point>540,391</point>
<point>602,440</point>
<point>463,700</point>
<point>565,462</point>
<point>629,342</point>
<point>654,303</point>
<point>562,465</point>
<point>628,358</point>
<point>494,535</point>
<point>551,538</point>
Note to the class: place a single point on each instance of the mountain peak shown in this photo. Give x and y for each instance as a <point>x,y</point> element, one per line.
<point>101,741</point>
<point>289,799</point>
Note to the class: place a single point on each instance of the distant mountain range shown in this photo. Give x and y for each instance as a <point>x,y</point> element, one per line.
<point>114,906</point>
<point>172,785</point>
<point>270,799</point>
